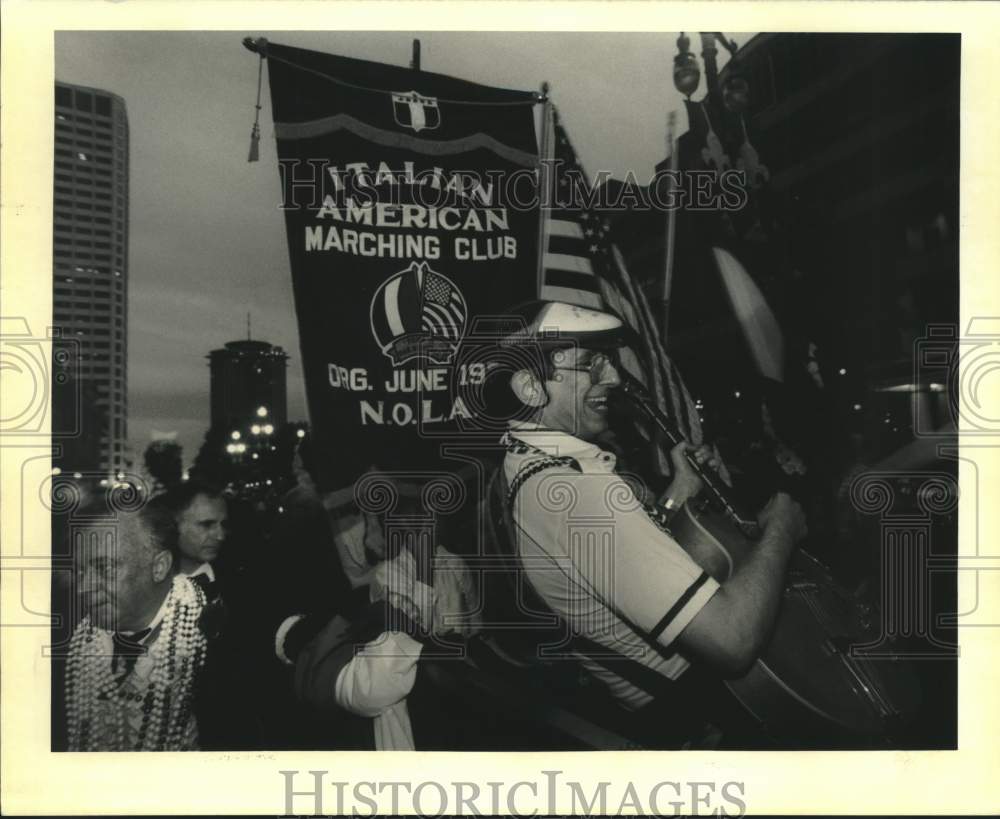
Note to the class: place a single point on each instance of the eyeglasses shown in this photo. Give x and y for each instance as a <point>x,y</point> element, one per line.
<point>597,367</point>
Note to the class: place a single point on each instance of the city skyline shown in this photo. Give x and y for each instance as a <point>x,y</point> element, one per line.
<point>207,242</point>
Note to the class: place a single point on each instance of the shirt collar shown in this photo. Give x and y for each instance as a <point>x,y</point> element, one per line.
<point>206,569</point>
<point>553,441</point>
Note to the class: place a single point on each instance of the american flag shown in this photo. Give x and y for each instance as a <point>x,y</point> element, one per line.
<point>580,265</point>
<point>576,252</point>
<point>443,309</point>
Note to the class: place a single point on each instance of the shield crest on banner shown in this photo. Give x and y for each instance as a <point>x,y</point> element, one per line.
<point>413,110</point>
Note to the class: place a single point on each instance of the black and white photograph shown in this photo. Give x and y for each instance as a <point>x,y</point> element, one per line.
<point>494,391</point>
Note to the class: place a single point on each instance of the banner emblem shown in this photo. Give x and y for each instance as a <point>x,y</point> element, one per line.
<point>418,313</point>
<point>413,110</point>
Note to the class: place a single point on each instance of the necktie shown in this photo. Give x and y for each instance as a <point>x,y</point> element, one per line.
<point>127,648</point>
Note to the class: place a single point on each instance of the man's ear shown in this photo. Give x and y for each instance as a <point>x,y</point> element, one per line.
<point>527,388</point>
<point>162,563</point>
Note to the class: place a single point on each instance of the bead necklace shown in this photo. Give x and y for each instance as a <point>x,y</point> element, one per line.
<point>98,704</point>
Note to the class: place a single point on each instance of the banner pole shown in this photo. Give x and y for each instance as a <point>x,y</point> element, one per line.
<point>668,267</point>
<point>544,154</point>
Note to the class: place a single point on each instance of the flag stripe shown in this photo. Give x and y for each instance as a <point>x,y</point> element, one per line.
<point>566,228</point>
<point>581,297</point>
<point>563,261</point>
<point>442,319</point>
<point>568,246</point>
<point>391,298</point>
<point>575,281</point>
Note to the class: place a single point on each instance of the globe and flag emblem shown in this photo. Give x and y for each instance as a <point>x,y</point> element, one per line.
<point>418,313</point>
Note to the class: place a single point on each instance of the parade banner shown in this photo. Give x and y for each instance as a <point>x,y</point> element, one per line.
<point>410,201</point>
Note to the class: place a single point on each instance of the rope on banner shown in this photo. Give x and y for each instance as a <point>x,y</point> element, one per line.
<point>259,46</point>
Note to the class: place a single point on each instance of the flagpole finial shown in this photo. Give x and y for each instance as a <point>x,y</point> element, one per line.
<point>257,46</point>
<point>543,94</point>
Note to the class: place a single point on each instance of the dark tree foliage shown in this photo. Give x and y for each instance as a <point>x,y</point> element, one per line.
<point>212,464</point>
<point>164,463</point>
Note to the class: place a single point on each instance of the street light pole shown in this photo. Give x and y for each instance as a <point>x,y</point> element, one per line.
<point>733,97</point>
<point>708,52</point>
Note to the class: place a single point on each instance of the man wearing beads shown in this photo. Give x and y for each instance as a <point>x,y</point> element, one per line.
<point>134,658</point>
<point>230,697</point>
<point>638,607</point>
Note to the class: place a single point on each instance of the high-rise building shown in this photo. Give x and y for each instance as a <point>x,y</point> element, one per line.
<point>90,264</point>
<point>248,386</point>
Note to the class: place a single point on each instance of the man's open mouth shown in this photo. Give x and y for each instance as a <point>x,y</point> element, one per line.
<point>598,403</point>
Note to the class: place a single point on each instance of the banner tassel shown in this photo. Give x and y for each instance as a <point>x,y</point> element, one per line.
<point>254,154</point>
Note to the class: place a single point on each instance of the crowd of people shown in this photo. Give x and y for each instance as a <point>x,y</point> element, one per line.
<point>201,623</point>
